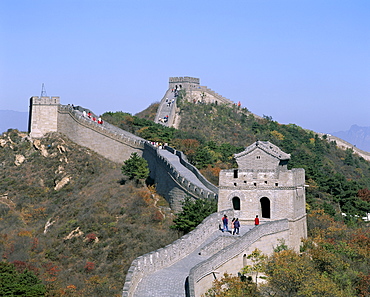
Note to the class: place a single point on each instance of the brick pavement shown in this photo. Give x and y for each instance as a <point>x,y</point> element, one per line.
<point>170,282</point>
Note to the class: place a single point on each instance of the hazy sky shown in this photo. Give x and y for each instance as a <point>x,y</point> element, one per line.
<point>299,61</point>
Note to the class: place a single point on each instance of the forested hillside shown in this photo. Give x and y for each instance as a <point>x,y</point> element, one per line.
<point>71,218</point>
<point>74,221</point>
<point>339,181</point>
<point>334,260</point>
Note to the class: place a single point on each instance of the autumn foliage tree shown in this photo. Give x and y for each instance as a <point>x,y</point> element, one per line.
<point>292,274</point>
<point>232,286</point>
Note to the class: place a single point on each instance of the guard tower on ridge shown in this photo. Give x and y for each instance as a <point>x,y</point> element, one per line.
<point>262,185</point>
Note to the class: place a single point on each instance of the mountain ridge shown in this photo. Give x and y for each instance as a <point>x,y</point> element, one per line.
<point>356,135</point>
<point>11,119</point>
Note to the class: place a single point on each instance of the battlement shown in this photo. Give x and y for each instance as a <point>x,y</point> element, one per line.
<point>45,100</point>
<point>184,79</point>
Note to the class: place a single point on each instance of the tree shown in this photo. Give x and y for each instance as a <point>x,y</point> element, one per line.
<point>193,213</point>
<point>257,259</point>
<point>136,167</point>
<point>232,286</point>
<point>290,274</point>
<point>13,283</point>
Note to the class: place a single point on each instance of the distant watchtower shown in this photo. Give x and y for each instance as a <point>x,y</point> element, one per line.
<point>43,115</point>
<point>263,186</point>
<point>185,82</point>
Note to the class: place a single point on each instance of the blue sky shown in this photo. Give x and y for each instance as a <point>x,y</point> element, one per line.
<point>298,61</point>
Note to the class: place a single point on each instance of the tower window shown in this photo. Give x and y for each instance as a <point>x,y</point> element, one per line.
<point>258,157</point>
<point>265,207</point>
<point>235,173</point>
<point>236,203</point>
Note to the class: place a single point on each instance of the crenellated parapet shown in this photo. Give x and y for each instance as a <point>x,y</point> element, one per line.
<point>117,145</point>
<point>232,257</point>
<point>170,254</point>
<point>114,144</point>
<point>174,186</point>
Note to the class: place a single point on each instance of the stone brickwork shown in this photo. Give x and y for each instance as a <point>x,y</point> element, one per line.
<point>194,93</point>
<point>231,259</point>
<point>102,139</point>
<point>185,82</point>
<point>170,183</point>
<point>117,145</point>
<point>171,253</point>
<point>43,115</point>
<point>263,186</point>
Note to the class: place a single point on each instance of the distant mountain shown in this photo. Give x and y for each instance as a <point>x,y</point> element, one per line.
<point>10,119</point>
<point>356,135</point>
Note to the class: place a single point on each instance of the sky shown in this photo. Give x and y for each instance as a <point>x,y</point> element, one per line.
<point>305,62</point>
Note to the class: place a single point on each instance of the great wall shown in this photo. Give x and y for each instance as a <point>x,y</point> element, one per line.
<point>261,185</point>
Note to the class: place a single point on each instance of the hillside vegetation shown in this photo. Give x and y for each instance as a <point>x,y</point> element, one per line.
<point>71,217</point>
<point>339,181</point>
<point>335,258</point>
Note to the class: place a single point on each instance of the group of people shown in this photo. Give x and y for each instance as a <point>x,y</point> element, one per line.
<point>159,145</point>
<point>92,117</point>
<point>175,91</point>
<point>169,102</point>
<point>164,120</point>
<point>235,224</point>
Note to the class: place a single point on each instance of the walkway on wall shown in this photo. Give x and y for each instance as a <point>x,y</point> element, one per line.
<point>170,282</point>
<point>184,172</point>
<point>166,108</point>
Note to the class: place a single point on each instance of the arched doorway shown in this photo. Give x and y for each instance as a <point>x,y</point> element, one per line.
<point>236,203</point>
<point>265,207</point>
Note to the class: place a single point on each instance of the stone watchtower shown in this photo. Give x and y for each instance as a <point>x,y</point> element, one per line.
<point>185,82</point>
<point>43,115</point>
<point>263,186</point>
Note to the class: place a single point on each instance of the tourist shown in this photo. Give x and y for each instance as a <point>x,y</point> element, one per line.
<point>84,113</point>
<point>256,221</point>
<point>236,227</point>
<point>232,225</point>
<point>225,222</point>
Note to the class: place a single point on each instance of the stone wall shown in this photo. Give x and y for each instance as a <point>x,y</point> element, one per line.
<point>102,139</point>
<point>171,253</point>
<point>170,183</point>
<point>342,144</point>
<point>232,258</point>
<point>117,145</point>
<point>43,115</point>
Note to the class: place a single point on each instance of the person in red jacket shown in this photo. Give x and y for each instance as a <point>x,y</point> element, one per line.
<point>256,221</point>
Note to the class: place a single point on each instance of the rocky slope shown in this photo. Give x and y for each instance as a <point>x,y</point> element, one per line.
<point>69,215</point>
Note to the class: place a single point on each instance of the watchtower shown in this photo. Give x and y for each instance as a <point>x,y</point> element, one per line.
<point>43,115</point>
<point>185,82</point>
<point>262,185</point>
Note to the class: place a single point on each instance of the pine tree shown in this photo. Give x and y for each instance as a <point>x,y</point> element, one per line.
<point>136,167</point>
